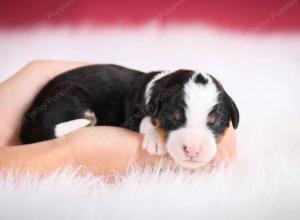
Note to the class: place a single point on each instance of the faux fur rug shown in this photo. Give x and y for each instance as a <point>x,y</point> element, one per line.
<point>262,73</point>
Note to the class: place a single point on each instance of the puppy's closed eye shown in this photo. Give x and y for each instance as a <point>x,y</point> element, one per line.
<point>177,115</point>
<point>212,118</point>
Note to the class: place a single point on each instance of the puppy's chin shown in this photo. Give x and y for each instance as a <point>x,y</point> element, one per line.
<point>178,139</point>
<point>190,164</point>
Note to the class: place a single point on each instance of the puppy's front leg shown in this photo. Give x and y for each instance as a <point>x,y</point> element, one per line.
<point>152,142</point>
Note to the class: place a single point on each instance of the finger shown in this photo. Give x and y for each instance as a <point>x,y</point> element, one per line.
<point>23,86</point>
<point>108,149</point>
<point>226,151</point>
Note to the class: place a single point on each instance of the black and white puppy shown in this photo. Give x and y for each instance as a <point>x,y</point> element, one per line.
<point>183,113</point>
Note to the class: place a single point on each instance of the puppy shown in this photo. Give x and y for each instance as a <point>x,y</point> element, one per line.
<point>183,113</point>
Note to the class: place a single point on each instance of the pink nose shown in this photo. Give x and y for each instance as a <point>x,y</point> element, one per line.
<point>191,151</point>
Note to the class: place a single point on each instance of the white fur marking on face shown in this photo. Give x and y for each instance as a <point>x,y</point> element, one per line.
<point>65,128</point>
<point>148,91</point>
<point>199,99</point>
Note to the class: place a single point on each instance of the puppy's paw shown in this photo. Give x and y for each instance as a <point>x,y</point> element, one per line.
<point>153,144</point>
<point>152,141</point>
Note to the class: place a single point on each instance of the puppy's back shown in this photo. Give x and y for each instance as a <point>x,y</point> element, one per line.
<point>99,89</point>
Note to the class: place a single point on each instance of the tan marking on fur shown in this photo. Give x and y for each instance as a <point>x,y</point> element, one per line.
<point>161,131</point>
<point>212,118</point>
<point>177,115</point>
<point>156,122</point>
<point>162,134</point>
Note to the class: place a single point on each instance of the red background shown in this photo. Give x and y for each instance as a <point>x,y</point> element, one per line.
<point>240,15</point>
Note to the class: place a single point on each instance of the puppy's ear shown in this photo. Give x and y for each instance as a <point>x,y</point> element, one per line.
<point>154,104</point>
<point>234,112</point>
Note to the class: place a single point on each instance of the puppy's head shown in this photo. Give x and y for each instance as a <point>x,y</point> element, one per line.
<point>191,112</point>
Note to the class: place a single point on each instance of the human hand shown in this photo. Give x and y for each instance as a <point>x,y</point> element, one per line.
<point>100,149</point>
<point>18,92</point>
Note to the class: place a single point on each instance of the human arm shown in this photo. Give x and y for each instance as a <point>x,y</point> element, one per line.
<point>102,150</point>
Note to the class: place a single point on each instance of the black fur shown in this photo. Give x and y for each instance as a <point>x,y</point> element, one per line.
<point>167,97</point>
<point>226,110</point>
<point>101,88</point>
<point>200,79</point>
<point>117,97</point>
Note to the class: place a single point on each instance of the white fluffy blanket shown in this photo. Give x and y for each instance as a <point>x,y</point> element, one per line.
<point>262,74</point>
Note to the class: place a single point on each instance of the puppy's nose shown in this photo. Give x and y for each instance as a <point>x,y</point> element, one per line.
<point>191,151</point>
